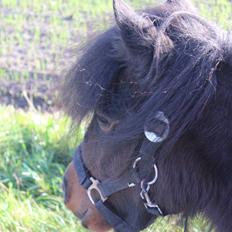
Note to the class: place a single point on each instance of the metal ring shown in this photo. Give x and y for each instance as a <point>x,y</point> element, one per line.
<point>144,188</point>
<point>136,162</point>
<point>156,176</point>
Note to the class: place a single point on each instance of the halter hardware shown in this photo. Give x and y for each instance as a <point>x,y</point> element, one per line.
<point>149,205</point>
<point>145,188</point>
<point>93,188</point>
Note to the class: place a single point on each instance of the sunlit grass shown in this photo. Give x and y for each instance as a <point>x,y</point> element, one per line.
<point>21,213</point>
<point>34,153</point>
<point>33,150</point>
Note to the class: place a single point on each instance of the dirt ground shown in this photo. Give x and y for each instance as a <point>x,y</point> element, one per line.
<point>35,51</point>
<point>39,91</point>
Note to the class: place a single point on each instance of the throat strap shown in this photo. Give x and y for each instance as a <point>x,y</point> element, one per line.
<point>114,220</point>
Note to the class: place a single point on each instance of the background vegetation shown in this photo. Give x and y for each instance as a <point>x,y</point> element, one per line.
<point>34,146</point>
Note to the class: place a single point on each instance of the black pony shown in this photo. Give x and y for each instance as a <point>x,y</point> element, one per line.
<point>159,81</point>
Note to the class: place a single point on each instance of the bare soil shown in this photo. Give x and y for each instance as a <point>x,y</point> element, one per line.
<point>39,92</point>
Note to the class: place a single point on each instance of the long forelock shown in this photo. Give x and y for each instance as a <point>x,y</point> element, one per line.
<point>91,77</point>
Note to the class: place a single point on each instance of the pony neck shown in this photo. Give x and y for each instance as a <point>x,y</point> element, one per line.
<point>219,209</point>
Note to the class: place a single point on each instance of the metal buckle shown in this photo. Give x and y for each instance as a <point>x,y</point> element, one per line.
<point>148,203</point>
<point>145,188</point>
<point>94,187</point>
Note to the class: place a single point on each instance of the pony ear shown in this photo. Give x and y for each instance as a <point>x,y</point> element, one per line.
<point>137,31</point>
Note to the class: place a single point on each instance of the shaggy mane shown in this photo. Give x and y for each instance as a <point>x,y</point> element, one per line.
<point>177,76</point>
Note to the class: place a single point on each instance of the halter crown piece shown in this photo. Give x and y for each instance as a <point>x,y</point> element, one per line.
<point>156,130</point>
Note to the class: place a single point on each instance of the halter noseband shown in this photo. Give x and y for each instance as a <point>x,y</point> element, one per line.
<point>137,176</point>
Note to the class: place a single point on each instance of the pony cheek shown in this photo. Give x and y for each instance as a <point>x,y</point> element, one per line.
<point>77,201</point>
<point>74,194</point>
<point>95,223</point>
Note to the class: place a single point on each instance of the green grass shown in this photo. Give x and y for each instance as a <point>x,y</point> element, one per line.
<point>21,213</point>
<point>220,12</point>
<point>33,157</point>
<point>34,153</point>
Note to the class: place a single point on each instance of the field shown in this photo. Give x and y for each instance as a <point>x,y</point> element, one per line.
<point>36,46</point>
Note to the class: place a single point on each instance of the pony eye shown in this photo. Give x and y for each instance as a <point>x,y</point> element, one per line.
<point>104,122</point>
